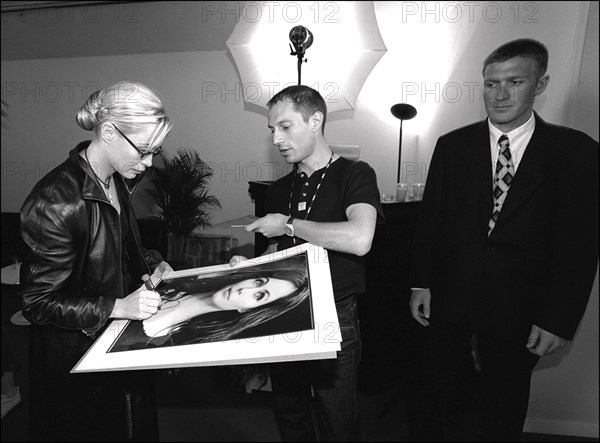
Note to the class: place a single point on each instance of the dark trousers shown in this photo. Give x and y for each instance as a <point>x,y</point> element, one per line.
<point>335,386</point>
<point>450,400</point>
<point>9,362</point>
<point>97,406</point>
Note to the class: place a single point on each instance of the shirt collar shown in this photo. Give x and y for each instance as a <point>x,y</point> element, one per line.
<point>513,136</point>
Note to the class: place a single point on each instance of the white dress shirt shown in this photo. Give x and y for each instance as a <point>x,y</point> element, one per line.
<point>518,140</point>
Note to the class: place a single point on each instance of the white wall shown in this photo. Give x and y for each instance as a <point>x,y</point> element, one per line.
<point>433,61</point>
<point>41,132</point>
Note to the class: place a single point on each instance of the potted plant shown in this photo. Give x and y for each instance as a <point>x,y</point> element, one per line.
<point>181,194</point>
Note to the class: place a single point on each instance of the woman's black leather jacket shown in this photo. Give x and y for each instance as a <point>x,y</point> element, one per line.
<point>73,272</point>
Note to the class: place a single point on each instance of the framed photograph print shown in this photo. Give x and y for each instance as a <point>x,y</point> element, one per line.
<point>277,307</point>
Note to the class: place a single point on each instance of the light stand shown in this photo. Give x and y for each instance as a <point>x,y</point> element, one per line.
<point>402,111</point>
<point>301,38</point>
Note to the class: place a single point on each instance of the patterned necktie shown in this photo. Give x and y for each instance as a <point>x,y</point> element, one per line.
<point>505,172</point>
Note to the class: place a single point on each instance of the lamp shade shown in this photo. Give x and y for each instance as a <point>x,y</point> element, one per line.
<point>403,111</point>
<point>347,45</point>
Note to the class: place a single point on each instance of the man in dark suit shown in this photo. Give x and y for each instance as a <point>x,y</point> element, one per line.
<point>505,253</point>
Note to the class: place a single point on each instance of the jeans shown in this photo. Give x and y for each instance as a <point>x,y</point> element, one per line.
<point>334,384</point>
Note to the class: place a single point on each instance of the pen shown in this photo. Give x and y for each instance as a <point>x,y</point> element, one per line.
<point>148,282</point>
<point>149,285</point>
<point>238,226</point>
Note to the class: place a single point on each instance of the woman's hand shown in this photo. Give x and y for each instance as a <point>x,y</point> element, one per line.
<point>138,305</point>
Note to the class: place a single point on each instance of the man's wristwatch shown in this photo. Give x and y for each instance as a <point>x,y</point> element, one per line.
<point>289,227</point>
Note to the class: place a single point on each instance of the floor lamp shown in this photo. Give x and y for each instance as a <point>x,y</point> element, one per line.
<point>402,111</point>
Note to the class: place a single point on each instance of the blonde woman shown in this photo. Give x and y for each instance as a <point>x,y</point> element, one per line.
<point>84,267</point>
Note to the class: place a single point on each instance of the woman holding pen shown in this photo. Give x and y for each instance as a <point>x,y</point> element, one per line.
<point>84,267</point>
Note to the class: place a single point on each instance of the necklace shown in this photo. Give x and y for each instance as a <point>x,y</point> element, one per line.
<point>106,183</point>
<point>314,195</point>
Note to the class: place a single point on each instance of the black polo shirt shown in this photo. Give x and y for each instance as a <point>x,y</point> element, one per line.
<point>345,183</point>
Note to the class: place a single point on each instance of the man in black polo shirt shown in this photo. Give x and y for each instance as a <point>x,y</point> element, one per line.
<point>331,202</point>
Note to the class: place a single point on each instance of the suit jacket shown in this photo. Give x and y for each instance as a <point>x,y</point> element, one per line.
<point>538,264</point>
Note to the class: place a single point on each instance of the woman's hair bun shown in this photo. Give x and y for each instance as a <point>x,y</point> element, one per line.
<point>87,116</point>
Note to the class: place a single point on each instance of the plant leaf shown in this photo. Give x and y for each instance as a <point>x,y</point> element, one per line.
<point>181,193</point>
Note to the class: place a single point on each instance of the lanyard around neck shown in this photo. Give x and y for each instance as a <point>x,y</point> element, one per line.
<point>315,193</point>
